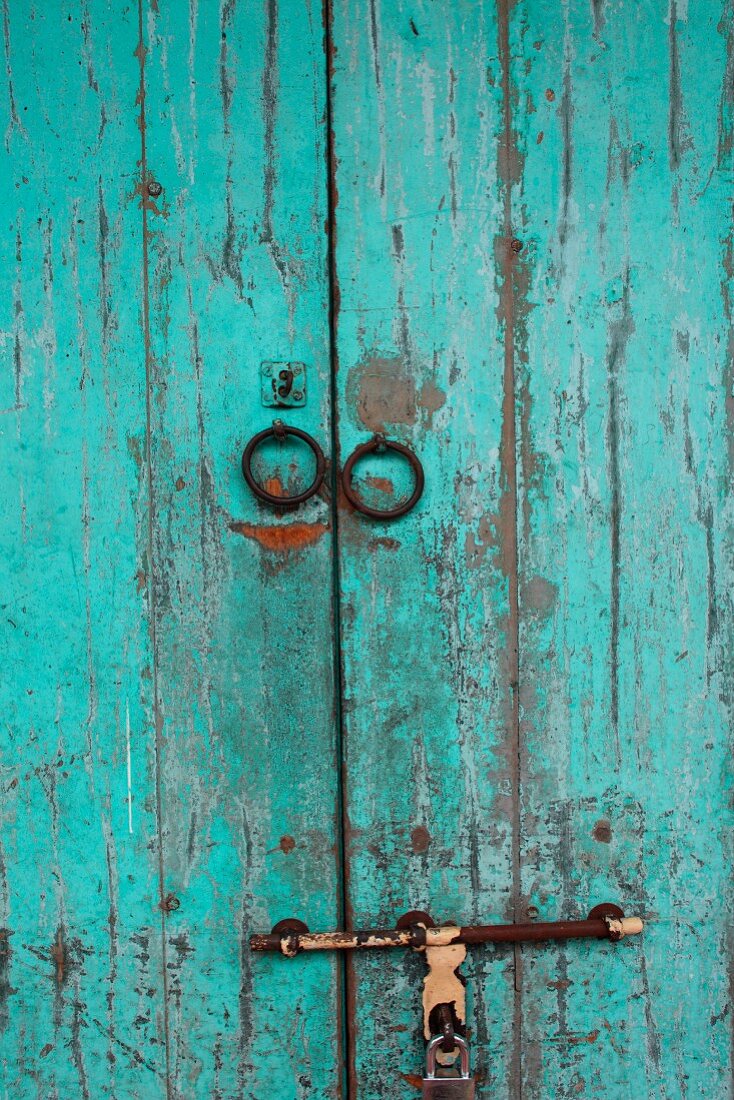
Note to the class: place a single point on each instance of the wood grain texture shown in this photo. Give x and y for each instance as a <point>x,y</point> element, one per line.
<point>81,1006</point>
<point>236,136</point>
<point>623,348</point>
<point>426,622</point>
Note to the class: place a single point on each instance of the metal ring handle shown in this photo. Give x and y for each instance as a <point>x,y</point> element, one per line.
<point>280,431</point>
<point>379,443</point>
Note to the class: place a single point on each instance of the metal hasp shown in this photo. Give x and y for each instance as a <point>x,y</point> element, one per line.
<point>283,385</point>
<point>444,948</point>
<point>605,922</point>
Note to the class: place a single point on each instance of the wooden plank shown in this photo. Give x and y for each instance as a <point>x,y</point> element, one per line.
<point>623,351</point>
<point>235,134</point>
<point>80,983</point>
<point>427,623</point>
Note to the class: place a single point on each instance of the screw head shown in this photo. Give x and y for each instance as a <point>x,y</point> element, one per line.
<point>154,188</point>
<point>516,245</point>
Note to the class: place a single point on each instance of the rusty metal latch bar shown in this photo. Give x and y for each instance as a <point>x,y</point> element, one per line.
<point>290,937</point>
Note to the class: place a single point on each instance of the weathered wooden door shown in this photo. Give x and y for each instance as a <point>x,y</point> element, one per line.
<point>500,233</point>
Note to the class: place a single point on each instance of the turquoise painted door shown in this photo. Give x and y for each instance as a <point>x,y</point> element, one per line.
<point>501,234</point>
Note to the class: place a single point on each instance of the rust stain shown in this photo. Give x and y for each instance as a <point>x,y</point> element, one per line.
<point>286,844</point>
<point>275,486</point>
<point>385,542</point>
<point>382,392</point>
<point>590,1038</point>
<point>413,1080</point>
<point>420,840</point>
<point>602,831</point>
<point>281,538</point>
<point>382,484</point>
<point>550,95</point>
<point>46,1050</point>
<point>146,200</point>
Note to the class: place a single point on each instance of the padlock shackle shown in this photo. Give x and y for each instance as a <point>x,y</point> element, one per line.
<point>433,1046</point>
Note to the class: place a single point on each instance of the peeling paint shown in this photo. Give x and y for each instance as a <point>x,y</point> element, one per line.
<point>381,393</point>
<point>284,537</point>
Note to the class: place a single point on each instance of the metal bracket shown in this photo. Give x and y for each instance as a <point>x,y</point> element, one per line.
<point>444,949</point>
<point>443,985</point>
<point>444,988</point>
<point>283,385</point>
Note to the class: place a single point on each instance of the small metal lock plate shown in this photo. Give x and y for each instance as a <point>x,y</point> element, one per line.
<point>448,1088</point>
<point>283,385</point>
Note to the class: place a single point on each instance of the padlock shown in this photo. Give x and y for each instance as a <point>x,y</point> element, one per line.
<point>448,1088</point>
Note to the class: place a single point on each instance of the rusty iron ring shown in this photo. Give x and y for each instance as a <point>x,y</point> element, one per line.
<point>280,431</point>
<point>379,443</point>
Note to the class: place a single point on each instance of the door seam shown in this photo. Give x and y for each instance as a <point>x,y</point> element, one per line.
<point>344,963</point>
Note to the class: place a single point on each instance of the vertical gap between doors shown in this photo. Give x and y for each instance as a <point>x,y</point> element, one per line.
<point>348,1081</point>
